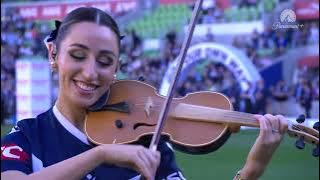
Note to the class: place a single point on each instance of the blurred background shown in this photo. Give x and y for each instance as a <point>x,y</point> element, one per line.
<point>262,54</point>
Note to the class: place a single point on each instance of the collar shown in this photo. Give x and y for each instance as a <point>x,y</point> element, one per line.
<point>69,126</point>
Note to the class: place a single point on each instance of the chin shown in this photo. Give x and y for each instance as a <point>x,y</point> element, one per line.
<point>85,103</point>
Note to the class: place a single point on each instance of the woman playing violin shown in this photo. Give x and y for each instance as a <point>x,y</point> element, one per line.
<point>84,52</point>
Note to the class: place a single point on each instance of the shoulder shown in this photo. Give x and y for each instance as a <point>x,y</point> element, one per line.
<point>15,151</point>
<point>27,128</point>
<point>24,142</point>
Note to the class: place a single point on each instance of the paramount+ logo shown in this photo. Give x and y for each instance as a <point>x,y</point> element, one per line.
<point>287,20</point>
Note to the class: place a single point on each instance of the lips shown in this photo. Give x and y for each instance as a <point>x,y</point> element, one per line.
<point>85,86</point>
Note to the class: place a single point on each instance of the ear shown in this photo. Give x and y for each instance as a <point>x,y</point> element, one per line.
<point>51,50</point>
<point>52,55</point>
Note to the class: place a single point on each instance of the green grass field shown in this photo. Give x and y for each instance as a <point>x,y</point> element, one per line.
<point>287,163</point>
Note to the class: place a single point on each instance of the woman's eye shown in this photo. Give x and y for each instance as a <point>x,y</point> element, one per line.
<point>77,54</point>
<point>105,61</point>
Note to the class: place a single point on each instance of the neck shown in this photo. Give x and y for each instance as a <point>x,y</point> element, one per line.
<point>209,114</point>
<point>73,113</point>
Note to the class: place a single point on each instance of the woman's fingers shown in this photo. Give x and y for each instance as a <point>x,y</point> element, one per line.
<point>148,162</point>
<point>273,123</point>
<point>135,157</point>
<point>153,158</point>
<point>144,157</point>
<point>143,168</point>
<point>283,124</point>
<point>263,124</point>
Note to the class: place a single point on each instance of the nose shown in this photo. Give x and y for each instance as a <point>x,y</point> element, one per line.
<point>90,72</point>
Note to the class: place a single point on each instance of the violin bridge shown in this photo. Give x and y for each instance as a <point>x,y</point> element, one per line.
<point>148,106</point>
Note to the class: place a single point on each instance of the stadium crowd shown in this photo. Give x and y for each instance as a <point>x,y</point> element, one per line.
<point>22,39</point>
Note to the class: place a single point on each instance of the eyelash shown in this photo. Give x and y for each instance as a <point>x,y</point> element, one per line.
<point>109,63</point>
<point>76,57</point>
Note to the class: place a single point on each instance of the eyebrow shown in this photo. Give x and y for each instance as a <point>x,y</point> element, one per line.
<point>87,48</point>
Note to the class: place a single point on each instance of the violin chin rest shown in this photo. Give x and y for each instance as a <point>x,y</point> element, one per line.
<point>100,102</point>
<point>194,150</point>
<point>205,149</point>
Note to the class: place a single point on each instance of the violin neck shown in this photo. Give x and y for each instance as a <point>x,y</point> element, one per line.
<point>209,114</point>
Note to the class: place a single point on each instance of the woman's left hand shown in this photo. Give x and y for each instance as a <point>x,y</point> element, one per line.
<point>272,130</point>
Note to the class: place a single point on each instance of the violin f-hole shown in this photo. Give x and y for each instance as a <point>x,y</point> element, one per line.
<point>135,126</point>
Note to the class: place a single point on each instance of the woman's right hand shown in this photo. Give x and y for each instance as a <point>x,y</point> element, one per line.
<point>136,157</point>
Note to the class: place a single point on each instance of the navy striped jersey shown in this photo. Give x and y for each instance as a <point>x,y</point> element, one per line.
<point>50,138</point>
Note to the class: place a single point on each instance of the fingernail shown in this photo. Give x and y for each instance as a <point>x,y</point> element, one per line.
<point>257,116</point>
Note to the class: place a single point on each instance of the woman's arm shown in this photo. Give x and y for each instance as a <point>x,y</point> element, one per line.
<point>272,130</point>
<point>72,168</point>
<point>135,157</point>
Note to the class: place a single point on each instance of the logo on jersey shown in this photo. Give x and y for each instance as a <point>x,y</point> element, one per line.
<point>174,176</point>
<point>90,177</point>
<point>13,152</point>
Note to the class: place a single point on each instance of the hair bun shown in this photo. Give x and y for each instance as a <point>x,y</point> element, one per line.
<point>54,33</point>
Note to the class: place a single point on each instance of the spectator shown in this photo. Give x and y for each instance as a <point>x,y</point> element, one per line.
<point>234,94</point>
<point>314,34</point>
<point>260,95</point>
<point>305,98</point>
<point>209,37</point>
<point>280,95</point>
<point>247,100</point>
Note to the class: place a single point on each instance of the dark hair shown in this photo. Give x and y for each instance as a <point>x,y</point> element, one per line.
<point>86,14</point>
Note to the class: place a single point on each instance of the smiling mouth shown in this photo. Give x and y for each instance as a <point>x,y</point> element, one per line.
<point>85,86</point>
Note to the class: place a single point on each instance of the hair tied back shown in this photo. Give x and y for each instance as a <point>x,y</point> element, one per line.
<point>54,33</point>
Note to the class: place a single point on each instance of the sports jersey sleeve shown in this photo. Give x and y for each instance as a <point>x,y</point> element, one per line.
<point>15,152</point>
<point>168,169</point>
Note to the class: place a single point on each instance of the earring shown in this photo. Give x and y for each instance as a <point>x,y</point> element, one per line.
<point>114,78</point>
<point>53,66</point>
<point>54,53</point>
<point>53,56</point>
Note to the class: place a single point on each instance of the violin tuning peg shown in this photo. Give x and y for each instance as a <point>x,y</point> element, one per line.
<point>301,118</point>
<point>316,126</point>
<point>300,143</point>
<point>141,78</point>
<point>315,151</point>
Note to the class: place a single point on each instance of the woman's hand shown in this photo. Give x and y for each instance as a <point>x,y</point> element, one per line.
<point>136,157</point>
<point>272,129</point>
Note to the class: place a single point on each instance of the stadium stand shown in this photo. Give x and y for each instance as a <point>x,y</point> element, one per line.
<point>155,23</point>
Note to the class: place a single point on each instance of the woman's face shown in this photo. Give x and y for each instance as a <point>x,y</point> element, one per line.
<point>87,61</point>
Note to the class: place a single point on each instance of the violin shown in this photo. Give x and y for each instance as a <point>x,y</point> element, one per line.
<point>197,123</point>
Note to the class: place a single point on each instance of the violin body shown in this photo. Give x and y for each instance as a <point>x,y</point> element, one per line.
<point>198,123</point>
<point>132,111</point>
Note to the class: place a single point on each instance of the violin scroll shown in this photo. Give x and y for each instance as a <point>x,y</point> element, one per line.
<point>304,134</point>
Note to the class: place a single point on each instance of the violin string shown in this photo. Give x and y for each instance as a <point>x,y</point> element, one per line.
<point>236,113</point>
<point>245,118</point>
<point>142,101</point>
